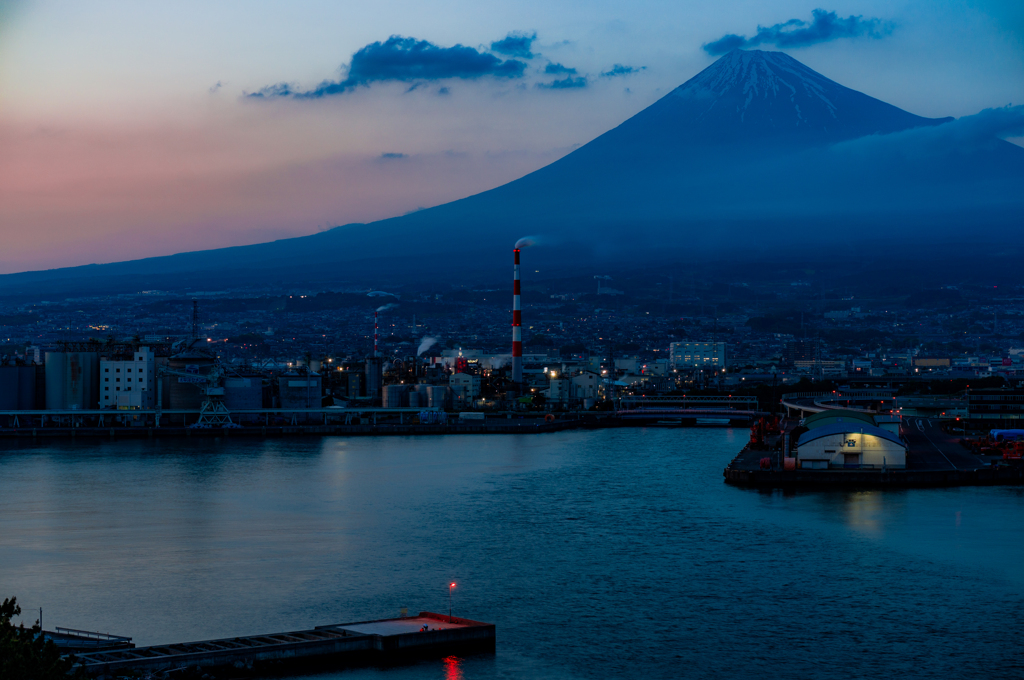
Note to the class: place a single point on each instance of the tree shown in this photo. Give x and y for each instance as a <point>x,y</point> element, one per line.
<point>25,654</point>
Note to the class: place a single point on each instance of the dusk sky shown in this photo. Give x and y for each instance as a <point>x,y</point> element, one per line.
<point>127,129</point>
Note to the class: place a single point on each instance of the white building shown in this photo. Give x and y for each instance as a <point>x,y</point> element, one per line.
<point>129,384</point>
<point>586,385</point>
<point>559,390</point>
<point>850,444</point>
<point>465,388</point>
<point>698,355</point>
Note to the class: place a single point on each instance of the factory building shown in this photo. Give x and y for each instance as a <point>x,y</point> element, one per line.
<point>689,355</point>
<point>299,390</point>
<point>128,383</point>
<point>465,388</point>
<point>586,385</point>
<point>243,392</point>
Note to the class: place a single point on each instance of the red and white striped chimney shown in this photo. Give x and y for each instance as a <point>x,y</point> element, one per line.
<point>376,334</point>
<point>517,327</point>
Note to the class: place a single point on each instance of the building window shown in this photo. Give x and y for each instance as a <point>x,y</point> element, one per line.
<point>129,370</point>
<point>106,380</point>
<point>118,370</point>
<point>106,389</point>
<point>106,370</point>
<point>118,380</point>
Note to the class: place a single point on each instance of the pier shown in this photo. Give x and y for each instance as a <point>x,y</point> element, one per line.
<point>934,459</point>
<point>331,646</point>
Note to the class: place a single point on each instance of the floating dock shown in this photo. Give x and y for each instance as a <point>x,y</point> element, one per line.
<point>338,645</point>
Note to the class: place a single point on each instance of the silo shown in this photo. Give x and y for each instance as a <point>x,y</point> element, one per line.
<point>414,399</point>
<point>186,392</point>
<point>9,388</point>
<point>392,396</point>
<point>26,388</point>
<point>374,376</point>
<point>55,365</point>
<point>81,382</point>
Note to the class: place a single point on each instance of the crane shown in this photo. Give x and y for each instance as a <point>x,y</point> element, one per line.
<point>212,412</point>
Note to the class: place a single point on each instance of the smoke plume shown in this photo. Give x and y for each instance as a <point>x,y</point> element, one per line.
<point>426,343</point>
<point>526,242</point>
<point>386,307</point>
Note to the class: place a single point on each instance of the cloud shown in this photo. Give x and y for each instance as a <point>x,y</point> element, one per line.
<point>824,26</point>
<point>216,86</point>
<point>566,83</point>
<point>443,91</point>
<point>403,60</point>
<point>964,135</point>
<point>620,70</point>
<point>558,69</point>
<point>390,155</point>
<point>515,44</point>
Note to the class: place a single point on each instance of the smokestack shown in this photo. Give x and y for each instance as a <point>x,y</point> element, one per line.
<point>517,327</point>
<point>376,334</point>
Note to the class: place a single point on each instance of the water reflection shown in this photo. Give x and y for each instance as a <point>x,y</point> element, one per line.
<point>597,554</point>
<point>452,668</point>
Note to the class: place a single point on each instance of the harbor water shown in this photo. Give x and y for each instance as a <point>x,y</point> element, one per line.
<point>611,553</point>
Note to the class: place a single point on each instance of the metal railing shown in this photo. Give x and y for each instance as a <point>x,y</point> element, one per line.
<point>91,635</point>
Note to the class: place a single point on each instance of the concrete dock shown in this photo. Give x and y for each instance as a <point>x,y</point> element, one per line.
<point>934,459</point>
<point>332,646</point>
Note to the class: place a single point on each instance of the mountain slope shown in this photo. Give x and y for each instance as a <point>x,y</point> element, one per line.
<point>755,153</point>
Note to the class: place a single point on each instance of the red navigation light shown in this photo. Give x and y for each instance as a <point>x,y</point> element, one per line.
<point>452,585</point>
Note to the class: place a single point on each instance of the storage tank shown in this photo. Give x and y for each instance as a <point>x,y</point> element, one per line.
<point>374,372</point>
<point>183,392</point>
<point>392,395</point>
<point>414,399</point>
<point>243,393</point>
<point>72,380</point>
<point>437,396</point>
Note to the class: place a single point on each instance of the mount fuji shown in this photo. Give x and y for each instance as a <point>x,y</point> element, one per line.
<point>757,155</point>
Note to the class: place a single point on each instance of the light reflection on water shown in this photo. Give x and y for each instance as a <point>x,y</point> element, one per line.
<point>597,554</point>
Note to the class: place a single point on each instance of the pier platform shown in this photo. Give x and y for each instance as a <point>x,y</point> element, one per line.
<point>331,646</point>
<point>934,459</point>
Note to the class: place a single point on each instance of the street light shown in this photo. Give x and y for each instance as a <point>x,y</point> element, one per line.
<point>450,586</point>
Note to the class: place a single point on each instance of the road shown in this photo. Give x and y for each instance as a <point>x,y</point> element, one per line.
<point>933,449</point>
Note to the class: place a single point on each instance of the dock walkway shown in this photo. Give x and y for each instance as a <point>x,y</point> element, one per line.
<point>346,644</point>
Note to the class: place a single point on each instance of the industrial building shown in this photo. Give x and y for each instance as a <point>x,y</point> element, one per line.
<point>129,383</point>
<point>465,388</point>
<point>299,390</point>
